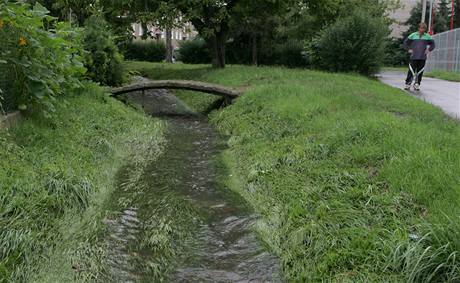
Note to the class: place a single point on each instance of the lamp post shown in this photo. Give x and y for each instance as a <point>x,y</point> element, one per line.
<point>423,11</point>
<point>430,23</point>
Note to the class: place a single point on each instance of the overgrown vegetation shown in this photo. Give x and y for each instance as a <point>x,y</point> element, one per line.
<point>353,44</point>
<point>103,61</point>
<point>40,58</point>
<point>194,52</point>
<point>354,180</point>
<point>150,51</point>
<point>55,175</point>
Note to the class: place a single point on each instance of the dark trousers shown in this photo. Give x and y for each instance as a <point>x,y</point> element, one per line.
<point>418,66</point>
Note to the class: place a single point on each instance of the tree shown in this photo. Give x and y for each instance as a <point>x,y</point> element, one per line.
<point>167,17</point>
<point>414,19</point>
<point>442,17</point>
<point>457,14</point>
<point>250,20</point>
<point>78,9</point>
<point>162,14</point>
<point>212,21</point>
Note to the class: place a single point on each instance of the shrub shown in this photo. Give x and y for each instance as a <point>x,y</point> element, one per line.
<point>194,52</point>
<point>285,54</point>
<point>151,51</point>
<point>103,61</point>
<point>395,54</point>
<point>288,53</point>
<point>352,44</point>
<point>37,63</point>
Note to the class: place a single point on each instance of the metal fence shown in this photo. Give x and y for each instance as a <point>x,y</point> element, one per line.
<point>446,56</point>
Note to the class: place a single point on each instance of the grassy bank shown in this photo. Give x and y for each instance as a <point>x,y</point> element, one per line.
<point>54,176</point>
<point>448,76</point>
<point>354,180</point>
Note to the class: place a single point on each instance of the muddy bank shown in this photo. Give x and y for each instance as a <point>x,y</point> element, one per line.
<point>180,223</point>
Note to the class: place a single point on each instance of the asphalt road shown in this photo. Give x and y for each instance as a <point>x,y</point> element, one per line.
<point>444,94</point>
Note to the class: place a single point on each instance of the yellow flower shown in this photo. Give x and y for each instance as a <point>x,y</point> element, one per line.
<point>22,41</point>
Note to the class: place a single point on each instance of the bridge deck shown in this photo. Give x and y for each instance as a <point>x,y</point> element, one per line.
<point>179,84</point>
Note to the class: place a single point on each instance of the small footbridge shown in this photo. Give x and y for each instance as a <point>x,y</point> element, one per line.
<point>229,94</point>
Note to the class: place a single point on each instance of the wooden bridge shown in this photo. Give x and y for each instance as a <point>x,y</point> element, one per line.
<point>228,93</point>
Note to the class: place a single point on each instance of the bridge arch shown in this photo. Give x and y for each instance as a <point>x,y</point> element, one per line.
<point>228,93</point>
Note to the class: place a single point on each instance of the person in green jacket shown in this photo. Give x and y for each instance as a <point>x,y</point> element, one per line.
<point>419,44</point>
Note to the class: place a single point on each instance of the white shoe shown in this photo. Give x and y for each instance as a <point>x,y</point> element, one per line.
<point>416,87</point>
<point>407,87</point>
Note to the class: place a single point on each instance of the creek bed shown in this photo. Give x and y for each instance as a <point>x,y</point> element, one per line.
<point>180,223</point>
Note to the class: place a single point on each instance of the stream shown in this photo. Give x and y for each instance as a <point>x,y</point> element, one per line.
<point>180,223</point>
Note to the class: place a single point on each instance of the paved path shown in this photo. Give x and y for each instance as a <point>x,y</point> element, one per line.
<point>443,94</point>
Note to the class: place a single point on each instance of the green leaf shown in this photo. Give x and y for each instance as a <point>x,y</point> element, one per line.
<point>39,10</point>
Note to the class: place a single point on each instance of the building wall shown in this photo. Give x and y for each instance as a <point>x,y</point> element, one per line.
<point>401,16</point>
<point>187,32</point>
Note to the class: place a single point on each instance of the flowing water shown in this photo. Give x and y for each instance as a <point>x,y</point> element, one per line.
<point>220,244</point>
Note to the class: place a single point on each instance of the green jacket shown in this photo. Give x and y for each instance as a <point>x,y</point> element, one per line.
<point>419,45</point>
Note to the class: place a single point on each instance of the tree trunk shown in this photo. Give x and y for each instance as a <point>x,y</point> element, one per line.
<point>145,32</point>
<point>218,49</point>
<point>254,50</point>
<point>169,47</point>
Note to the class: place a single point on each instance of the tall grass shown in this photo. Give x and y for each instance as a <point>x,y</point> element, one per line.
<point>54,173</point>
<point>354,181</point>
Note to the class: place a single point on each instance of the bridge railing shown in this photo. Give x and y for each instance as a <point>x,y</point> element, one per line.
<point>446,56</point>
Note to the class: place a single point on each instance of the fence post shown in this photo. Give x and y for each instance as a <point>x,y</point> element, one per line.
<point>446,56</point>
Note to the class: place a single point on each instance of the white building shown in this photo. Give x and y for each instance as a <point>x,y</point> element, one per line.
<point>187,32</point>
<point>401,16</point>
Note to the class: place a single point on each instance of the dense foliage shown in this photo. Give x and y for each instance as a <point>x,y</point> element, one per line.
<point>103,61</point>
<point>53,170</point>
<point>353,44</point>
<point>288,53</point>
<point>194,52</point>
<point>145,50</point>
<point>395,53</point>
<point>40,58</point>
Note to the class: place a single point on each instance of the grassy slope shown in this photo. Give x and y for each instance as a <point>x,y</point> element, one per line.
<point>448,76</point>
<point>354,180</point>
<point>54,174</point>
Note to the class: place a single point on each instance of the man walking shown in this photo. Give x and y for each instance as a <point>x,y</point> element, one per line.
<point>419,45</point>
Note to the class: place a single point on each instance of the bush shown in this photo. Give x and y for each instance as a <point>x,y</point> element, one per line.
<point>395,54</point>
<point>285,54</point>
<point>103,61</point>
<point>352,44</point>
<point>150,51</point>
<point>194,52</point>
<point>37,64</point>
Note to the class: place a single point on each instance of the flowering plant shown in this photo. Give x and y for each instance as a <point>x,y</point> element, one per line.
<point>40,58</point>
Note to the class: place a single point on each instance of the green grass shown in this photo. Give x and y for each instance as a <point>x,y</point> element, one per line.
<point>443,75</point>
<point>55,174</point>
<point>354,181</point>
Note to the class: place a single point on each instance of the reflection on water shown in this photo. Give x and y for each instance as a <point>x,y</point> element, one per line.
<point>224,247</point>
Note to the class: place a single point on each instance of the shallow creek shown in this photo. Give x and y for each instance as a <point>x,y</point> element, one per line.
<point>219,243</point>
